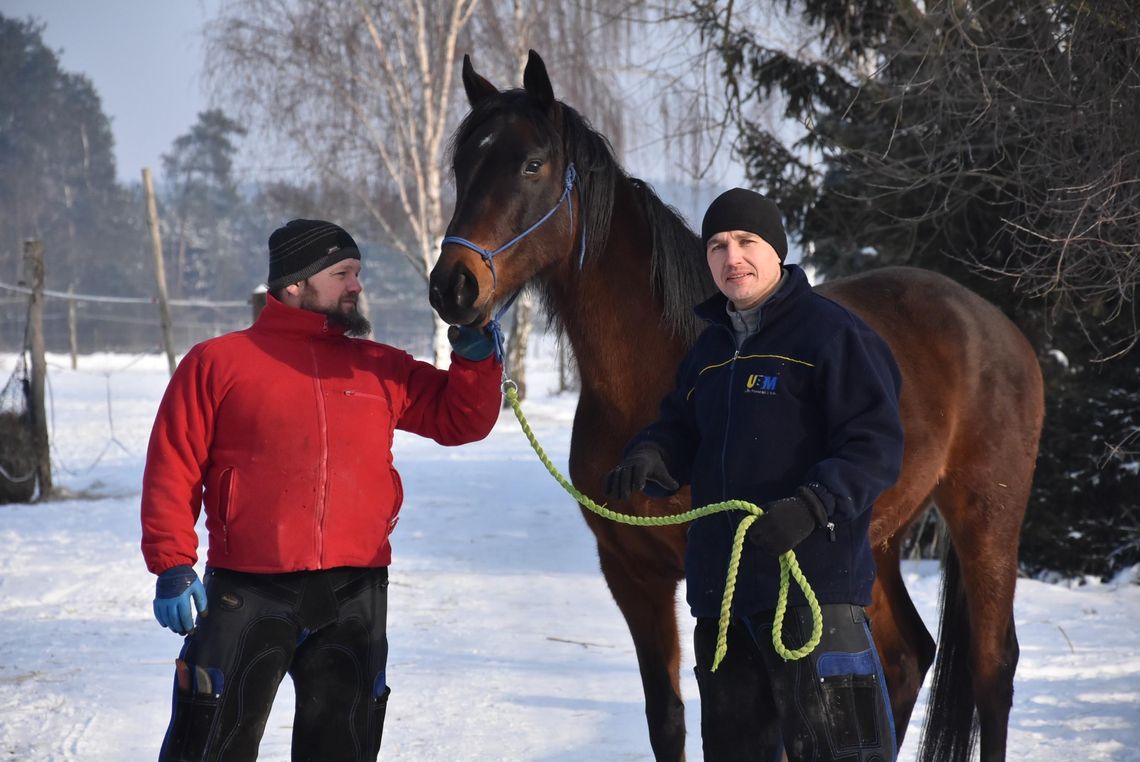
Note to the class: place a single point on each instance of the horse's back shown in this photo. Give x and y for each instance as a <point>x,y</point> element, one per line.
<point>972,393</point>
<point>938,328</point>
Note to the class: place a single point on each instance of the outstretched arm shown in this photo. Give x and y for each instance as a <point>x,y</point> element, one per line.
<point>453,406</point>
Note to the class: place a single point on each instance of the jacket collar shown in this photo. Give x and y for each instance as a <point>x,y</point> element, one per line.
<point>279,317</point>
<point>714,309</point>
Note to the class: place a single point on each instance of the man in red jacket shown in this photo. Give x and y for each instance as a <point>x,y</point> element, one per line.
<point>284,432</point>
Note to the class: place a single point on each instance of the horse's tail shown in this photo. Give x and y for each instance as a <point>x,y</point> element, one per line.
<point>951,726</point>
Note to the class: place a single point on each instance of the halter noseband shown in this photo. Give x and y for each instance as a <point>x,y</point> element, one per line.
<point>489,255</point>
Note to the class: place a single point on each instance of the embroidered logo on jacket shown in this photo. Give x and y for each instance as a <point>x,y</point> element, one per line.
<point>760,384</point>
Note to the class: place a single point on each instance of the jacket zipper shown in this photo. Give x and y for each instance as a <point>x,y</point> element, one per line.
<point>323,479</point>
<point>728,417</point>
<point>727,425</point>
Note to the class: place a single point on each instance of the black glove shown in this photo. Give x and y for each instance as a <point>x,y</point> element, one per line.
<point>787,522</point>
<point>645,462</point>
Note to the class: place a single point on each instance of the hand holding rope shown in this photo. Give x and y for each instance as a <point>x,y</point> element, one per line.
<point>789,566</point>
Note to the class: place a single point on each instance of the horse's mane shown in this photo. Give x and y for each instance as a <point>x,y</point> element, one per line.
<point>680,276</point>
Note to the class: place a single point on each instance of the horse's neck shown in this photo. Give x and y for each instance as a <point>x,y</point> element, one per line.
<point>624,349</point>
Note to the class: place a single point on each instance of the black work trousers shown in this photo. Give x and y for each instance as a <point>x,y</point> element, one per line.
<point>830,706</point>
<point>326,629</point>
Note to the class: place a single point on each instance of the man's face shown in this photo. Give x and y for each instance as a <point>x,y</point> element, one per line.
<point>334,292</point>
<point>744,267</point>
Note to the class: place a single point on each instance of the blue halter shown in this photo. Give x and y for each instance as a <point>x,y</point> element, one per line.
<point>489,256</point>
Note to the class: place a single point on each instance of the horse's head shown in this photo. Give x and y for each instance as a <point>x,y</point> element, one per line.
<point>518,210</point>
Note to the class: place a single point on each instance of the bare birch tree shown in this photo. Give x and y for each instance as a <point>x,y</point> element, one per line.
<point>362,91</point>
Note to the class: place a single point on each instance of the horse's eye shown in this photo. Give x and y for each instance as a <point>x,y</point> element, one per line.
<point>532,167</point>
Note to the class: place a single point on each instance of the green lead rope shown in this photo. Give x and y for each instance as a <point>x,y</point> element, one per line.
<point>789,566</point>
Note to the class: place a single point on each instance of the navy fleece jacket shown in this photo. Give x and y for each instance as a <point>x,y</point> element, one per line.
<point>810,399</point>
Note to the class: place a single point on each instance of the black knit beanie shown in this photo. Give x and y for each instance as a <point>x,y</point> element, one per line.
<point>302,248</point>
<point>742,209</point>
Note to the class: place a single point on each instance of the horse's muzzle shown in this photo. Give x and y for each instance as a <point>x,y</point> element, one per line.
<point>453,293</point>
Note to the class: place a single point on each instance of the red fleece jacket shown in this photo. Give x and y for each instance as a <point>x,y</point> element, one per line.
<point>284,431</point>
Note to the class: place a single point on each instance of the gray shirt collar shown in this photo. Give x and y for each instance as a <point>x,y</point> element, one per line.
<point>747,322</point>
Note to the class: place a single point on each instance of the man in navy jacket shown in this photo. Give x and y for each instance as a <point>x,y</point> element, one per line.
<point>789,401</point>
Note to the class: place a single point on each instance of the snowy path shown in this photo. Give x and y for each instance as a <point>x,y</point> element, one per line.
<point>505,644</point>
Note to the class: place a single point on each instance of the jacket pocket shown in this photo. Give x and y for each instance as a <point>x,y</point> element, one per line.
<point>227,499</point>
<point>372,408</point>
<point>354,394</point>
<point>397,499</point>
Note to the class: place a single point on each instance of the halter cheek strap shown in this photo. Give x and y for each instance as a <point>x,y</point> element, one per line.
<point>488,255</point>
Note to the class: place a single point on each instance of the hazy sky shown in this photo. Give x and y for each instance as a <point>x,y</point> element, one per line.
<point>144,58</point>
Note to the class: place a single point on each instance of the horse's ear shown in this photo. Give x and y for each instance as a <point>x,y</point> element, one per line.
<point>536,81</point>
<point>476,86</point>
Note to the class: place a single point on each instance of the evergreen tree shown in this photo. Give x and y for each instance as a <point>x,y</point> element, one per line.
<point>995,142</point>
<point>57,184</point>
<point>207,230</point>
<point>57,170</point>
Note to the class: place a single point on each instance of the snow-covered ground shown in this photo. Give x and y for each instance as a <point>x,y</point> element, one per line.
<point>505,643</point>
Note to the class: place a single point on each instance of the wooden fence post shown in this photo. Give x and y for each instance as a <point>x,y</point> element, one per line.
<point>159,268</point>
<point>34,274</point>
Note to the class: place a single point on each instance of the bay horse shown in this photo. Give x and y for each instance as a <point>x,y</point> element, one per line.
<point>541,200</point>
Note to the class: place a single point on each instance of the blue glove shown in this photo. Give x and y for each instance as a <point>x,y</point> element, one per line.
<point>172,593</point>
<point>471,343</point>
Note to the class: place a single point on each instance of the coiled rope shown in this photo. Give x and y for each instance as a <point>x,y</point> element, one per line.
<point>789,566</point>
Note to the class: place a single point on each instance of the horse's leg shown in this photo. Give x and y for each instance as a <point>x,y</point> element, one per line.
<point>646,593</point>
<point>906,649</point>
<point>984,516</point>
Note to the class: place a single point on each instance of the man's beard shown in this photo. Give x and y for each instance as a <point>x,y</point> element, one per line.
<point>354,323</point>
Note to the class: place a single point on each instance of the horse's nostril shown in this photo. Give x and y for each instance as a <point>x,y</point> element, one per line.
<point>453,293</point>
<point>464,287</point>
